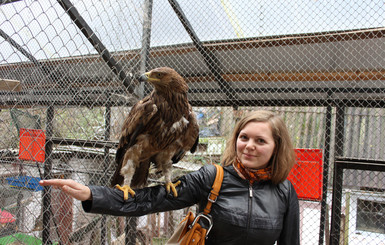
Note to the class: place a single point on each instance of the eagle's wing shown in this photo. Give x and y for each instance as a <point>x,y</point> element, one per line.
<point>190,138</point>
<point>140,114</point>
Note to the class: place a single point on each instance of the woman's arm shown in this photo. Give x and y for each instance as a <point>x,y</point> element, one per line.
<point>105,200</point>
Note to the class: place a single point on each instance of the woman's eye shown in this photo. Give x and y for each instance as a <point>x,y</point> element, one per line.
<point>261,141</point>
<point>242,137</point>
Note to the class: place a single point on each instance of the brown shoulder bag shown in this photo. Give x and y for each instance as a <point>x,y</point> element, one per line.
<point>189,231</point>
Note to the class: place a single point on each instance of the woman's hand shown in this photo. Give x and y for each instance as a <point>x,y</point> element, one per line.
<point>69,186</point>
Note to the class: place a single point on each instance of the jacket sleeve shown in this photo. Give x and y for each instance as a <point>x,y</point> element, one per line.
<point>153,199</point>
<point>290,231</point>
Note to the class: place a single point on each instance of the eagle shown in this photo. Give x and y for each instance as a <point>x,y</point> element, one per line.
<point>160,129</point>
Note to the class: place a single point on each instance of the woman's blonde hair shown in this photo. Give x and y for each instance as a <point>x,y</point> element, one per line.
<point>283,158</point>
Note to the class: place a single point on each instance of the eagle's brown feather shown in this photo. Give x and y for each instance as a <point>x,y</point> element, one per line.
<point>159,129</point>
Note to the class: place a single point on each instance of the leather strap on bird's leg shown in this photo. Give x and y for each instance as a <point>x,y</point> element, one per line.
<point>215,189</point>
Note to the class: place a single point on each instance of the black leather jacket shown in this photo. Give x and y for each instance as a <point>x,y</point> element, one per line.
<point>261,213</point>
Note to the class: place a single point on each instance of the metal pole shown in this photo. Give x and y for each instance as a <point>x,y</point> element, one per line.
<point>338,176</point>
<point>8,1</point>
<point>210,59</point>
<point>336,205</point>
<point>140,90</point>
<point>47,175</point>
<point>28,55</point>
<point>70,9</point>
<point>19,47</point>
<point>326,159</point>
<point>107,133</point>
<point>340,131</point>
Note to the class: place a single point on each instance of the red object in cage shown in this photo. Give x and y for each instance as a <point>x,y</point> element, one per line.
<point>306,175</point>
<point>32,145</point>
<point>6,217</point>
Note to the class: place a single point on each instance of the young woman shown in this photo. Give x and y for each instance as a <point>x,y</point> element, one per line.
<point>256,204</point>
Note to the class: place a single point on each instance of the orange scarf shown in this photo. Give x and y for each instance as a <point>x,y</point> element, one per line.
<point>252,174</point>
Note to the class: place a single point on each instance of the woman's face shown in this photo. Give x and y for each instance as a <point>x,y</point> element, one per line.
<point>255,145</point>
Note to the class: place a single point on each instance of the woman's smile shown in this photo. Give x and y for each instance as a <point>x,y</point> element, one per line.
<point>247,155</point>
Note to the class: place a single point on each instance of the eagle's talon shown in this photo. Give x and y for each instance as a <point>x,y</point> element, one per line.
<point>126,189</point>
<point>172,186</point>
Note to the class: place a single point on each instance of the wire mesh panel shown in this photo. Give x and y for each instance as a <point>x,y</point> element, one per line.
<point>357,212</point>
<point>69,70</point>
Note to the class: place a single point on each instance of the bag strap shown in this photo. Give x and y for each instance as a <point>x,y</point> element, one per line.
<point>213,195</point>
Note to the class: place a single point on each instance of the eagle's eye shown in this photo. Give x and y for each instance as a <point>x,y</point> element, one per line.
<point>159,75</point>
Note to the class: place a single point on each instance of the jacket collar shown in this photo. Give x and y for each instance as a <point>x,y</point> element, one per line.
<point>234,172</point>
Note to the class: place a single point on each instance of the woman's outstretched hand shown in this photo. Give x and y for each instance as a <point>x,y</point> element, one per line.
<point>69,186</point>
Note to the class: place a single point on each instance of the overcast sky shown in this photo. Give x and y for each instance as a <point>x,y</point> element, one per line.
<point>45,30</point>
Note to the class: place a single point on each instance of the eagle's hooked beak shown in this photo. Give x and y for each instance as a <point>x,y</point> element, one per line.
<point>143,77</point>
<point>146,77</point>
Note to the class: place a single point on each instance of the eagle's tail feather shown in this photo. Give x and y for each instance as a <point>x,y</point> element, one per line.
<point>117,178</point>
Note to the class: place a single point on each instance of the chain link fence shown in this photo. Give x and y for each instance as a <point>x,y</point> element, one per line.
<point>68,74</point>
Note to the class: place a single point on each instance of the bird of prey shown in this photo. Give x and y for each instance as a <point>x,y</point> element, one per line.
<point>160,129</point>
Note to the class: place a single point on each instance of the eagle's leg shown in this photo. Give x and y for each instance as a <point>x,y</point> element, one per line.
<point>126,189</point>
<point>167,170</point>
<point>171,186</point>
<point>127,171</point>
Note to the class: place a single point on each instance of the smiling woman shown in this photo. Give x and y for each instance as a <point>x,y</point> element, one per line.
<point>261,140</point>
